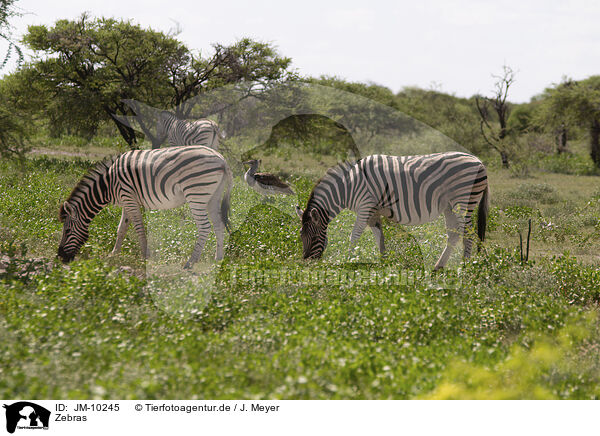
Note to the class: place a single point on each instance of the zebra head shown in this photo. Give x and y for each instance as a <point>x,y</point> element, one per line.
<point>75,232</point>
<point>313,232</point>
<point>165,118</point>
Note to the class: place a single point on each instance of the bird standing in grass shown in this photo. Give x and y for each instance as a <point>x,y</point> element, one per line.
<point>264,183</point>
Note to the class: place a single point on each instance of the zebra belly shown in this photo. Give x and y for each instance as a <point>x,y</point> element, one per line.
<point>168,178</point>
<point>412,217</point>
<point>167,203</point>
<point>164,202</point>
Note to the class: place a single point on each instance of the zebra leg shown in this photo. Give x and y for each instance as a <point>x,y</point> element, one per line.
<point>215,141</point>
<point>121,232</point>
<point>133,212</point>
<point>203,225</point>
<point>467,240</point>
<point>375,224</point>
<point>214,213</point>
<point>453,230</point>
<point>362,218</point>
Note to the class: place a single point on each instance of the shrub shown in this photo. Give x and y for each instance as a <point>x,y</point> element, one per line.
<point>567,163</point>
<point>536,192</point>
<point>555,367</point>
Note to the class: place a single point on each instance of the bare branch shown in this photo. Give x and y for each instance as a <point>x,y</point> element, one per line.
<point>494,137</point>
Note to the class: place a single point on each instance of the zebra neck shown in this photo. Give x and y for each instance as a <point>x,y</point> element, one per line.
<point>96,197</point>
<point>332,193</point>
<point>330,203</point>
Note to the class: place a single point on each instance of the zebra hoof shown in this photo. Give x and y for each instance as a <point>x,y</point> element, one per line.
<point>190,263</point>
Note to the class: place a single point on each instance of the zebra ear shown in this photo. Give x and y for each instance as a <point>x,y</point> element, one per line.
<point>314,216</point>
<point>299,211</point>
<point>68,209</point>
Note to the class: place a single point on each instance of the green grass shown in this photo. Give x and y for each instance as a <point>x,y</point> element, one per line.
<point>565,213</point>
<point>265,324</point>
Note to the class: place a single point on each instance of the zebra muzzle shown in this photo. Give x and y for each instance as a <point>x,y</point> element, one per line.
<point>64,256</point>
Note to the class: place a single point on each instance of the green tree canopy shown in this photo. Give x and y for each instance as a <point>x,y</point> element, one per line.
<point>372,112</point>
<point>8,11</point>
<point>91,65</point>
<point>575,103</point>
<point>13,125</point>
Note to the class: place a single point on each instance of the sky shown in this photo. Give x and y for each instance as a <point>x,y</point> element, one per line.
<point>455,46</point>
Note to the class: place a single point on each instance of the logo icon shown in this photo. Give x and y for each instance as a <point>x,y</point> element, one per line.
<point>26,415</point>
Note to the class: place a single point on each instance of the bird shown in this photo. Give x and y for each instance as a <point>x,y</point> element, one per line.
<point>264,183</point>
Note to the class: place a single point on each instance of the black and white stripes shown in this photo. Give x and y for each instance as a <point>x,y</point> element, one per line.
<point>182,132</point>
<point>153,179</point>
<point>408,189</point>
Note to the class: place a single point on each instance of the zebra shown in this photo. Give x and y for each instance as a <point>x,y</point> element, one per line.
<point>181,132</point>
<point>410,190</point>
<point>153,179</point>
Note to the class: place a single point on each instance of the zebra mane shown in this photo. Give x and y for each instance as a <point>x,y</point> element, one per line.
<point>92,176</point>
<point>340,169</point>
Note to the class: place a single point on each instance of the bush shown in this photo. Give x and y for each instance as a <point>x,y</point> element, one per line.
<point>564,366</point>
<point>537,192</point>
<point>13,134</point>
<point>567,163</point>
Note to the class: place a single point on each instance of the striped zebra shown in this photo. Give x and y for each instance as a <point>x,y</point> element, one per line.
<point>153,179</point>
<point>181,132</point>
<point>411,190</point>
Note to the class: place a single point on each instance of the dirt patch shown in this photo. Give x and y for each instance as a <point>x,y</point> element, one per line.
<point>67,153</point>
<point>12,267</point>
<point>23,269</point>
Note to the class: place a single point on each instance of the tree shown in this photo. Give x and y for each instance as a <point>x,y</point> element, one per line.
<point>551,118</point>
<point>13,133</point>
<point>497,137</point>
<point>8,11</point>
<point>575,103</point>
<point>312,133</point>
<point>13,125</point>
<point>520,120</point>
<point>246,60</point>
<point>372,112</point>
<point>92,65</point>
<point>89,66</point>
<point>256,64</point>
<point>454,117</point>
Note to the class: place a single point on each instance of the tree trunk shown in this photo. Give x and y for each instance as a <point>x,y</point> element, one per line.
<point>146,119</point>
<point>595,142</point>
<point>126,132</point>
<point>503,131</point>
<point>561,140</point>
<point>504,157</point>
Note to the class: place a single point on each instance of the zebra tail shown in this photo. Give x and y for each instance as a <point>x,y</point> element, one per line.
<point>225,203</point>
<point>482,214</point>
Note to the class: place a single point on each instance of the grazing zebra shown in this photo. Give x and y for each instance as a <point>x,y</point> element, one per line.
<point>153,179</point>
<point>408,189</point>
<point>181,132</point>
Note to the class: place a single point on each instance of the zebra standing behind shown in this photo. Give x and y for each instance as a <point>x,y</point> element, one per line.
<point>182,132</point>
<point>411,190</point>
<point>153,179</point>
